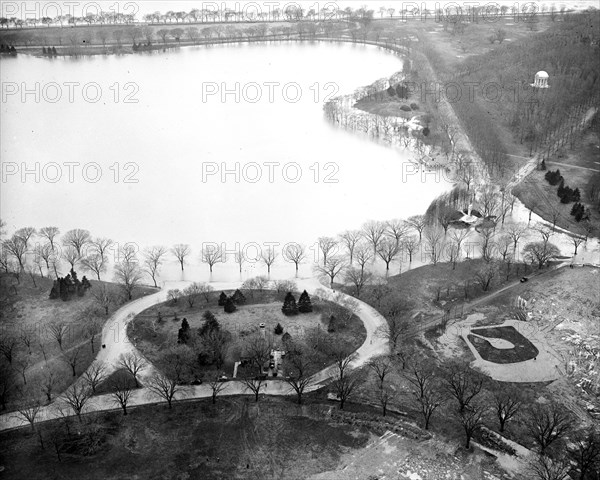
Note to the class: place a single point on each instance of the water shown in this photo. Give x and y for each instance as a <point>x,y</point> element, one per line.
<point>173,137</point>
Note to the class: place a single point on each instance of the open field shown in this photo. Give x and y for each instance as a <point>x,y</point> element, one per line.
<point>233,439</point>
<point>28,316</point>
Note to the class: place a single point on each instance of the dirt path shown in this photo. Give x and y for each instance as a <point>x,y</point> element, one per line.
<point>114,337</point>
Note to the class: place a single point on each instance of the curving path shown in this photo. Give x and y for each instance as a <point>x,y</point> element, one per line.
<point>114,336</point>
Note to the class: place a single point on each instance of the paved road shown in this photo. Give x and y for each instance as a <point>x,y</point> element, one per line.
<point>115,338</point>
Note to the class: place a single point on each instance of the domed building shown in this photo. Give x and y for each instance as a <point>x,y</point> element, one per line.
<point>541,80</point>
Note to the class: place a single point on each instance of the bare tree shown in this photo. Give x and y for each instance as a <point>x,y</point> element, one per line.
<point>257,349</point>
<point>16,247</point>
<point>26,233</point>
<point>463,384</point>
<point>358,278</point>
<point>129,276</point>
<point>363,255</point>
<point>295,253</point>
<point>50,233</point>
<point>48,385</point>
<point>212,254</point>
<point>95,374</point>
<point>216,386</point>
<point>547,424</point>
<point>181,251</point>
<point>254,384</point>
<point>29,410</point>
<point>410,244</point>
<point>586,452</point>
<point>350,239</point>
<point>540,253</point>
<point>121,394</point>
<point>27,337</point>
<point>94,263</point>
<point>388,250</point>
<point>104,297</point>
<point>77,239</point>
<point>397,229</point>
<point>345,386</point>
<point>58,330</point>
<point>153,259</point>
<point>576,240</point>
<point>134,364</point>
<point>429,402</point>
<point>164,387</point>
<point>72,357</point>
<point>101,246</point>
<point>507,404</point>
<point>545,468</point>
<point>382,367</point>
<point>192,292</point>
<point>486,245</point>
<point>240,259</point>
<point>434,239</point>
<point>297,365</point>
<point>418,222</point>
<point>471,419</point>
<point>77,397</point>
<point>332,268</point>
<point>71,255</point>
<point>327,245</point>
<point>268,257</point>
<point>374,231</point>
<point>486,274</point>
<point>516,231</point>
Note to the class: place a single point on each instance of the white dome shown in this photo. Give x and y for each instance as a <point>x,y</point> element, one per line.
<point>541,74</point>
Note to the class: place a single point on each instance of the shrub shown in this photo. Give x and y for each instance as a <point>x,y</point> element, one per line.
<point>331,325</point>
<point>222,299</point>
<point>210,324</point>
<point>278,329</point>
<point>304,303</point>
<point>238,298</point>
<point>405,108</point>
<point>414,106</point>
<point>289,305</point>
<point>229,306</point>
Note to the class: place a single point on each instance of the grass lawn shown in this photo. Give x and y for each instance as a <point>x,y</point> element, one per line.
<point>577,166</point>
<point>26,314</point>
<point>523,348</point>
<point>233,439</point>
<point>153,338</point>
<point>420,286</point>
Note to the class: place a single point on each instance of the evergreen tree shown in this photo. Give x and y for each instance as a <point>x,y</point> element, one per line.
<point>222,299</point>
<point>331,324</point>
<point>184,332</point>
<point>289,305</point>
<point>43,50</point>
<point>238,298</point>
<point>229,306</point>
<point>210,324</point>
<point>278,329</point>
<point>391,91</point>
<point>304,303</point>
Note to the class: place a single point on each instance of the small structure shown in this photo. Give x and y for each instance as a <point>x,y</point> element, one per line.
<point>541,80</point>
<point>470,217</point>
